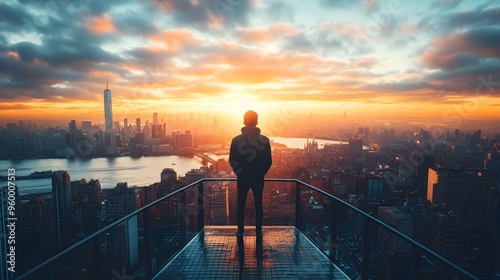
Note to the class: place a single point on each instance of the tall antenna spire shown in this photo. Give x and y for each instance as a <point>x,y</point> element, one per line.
<point>107,83</point>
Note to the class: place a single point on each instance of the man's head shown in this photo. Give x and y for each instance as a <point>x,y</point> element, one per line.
<point>250,118</point>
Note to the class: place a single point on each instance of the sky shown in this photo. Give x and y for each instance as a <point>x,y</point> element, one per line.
<point>370,58</point>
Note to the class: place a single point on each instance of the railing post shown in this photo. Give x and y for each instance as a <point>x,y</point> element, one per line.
<point>182,222</point>
<point>298,223</point>
<point>148,264</point>
<point>365,269</point>
<point>201,211</point>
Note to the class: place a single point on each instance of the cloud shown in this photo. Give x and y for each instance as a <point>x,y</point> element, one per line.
<point>151,58</point>
<point>339,3</point>
<point>366,62</point>
<point>264,35</point>
<point>471,18</point>
<point>11,15</point>
<point>280,11</point>
<point>189,50</point>
<point>206,14</point>
<point>341,38</point>
<point>175,40</point>
<point>136,23</point>
<point>100,25</point>
<point>371,5</point>
<point>446,4</point>
<point>463,49</point>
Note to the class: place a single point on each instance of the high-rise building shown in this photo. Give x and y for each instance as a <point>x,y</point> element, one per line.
<point>86,126</point>
<point>72,131</point>
<point>375,189</point>
<point>61,193</point>
<point>194,175</point>
<point>108,119</point>
<point>492,162</point>
<point>121,201</point>
<point>475,139</point>
<point>356,147</point>
<point>425,228</point>
<point>450,239</point>
<point>34,234</point>
<point>125,126</point>
<point>422,175</point>
<point>183,141</point>
<point>465,193</point>
<point>397,257</point>
<point>138,125</point>
<point>169,175</point>
<point>86,205</point>
<point>220,205</point>
<point>155,119</point>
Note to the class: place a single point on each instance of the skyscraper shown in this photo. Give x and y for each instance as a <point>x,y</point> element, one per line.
<point>220,205</point>
<point>108,119</point>
<point>34,234</point>
<point>72,132</point>
<point>397,255</point>
<point>466,193</point>
<point>125,127</point>
<point>155,118</point>
<point>138,125</point>
<point>61,193</point>
<point>168,175</point>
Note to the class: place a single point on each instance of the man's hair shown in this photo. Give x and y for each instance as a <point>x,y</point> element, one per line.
<point>250,118</point>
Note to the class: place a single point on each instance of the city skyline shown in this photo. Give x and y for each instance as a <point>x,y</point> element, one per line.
<point>373,59</point>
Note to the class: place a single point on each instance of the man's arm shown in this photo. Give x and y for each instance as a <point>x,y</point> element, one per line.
<point>233,158</point>
<point>268,161</point>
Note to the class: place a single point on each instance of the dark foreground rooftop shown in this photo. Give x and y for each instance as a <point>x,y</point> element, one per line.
<point>285,253</point>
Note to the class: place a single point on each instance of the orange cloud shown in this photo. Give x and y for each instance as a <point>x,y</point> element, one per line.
<point>13,54</point>
<point>461,49</point>
<point>263,35</point>
<point>101,25</point>
<point>175,40</point>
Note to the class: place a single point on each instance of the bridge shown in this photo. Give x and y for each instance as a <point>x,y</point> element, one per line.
<point>205,158</point>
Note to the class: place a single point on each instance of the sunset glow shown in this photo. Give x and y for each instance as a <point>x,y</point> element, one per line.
<point>375,59</point>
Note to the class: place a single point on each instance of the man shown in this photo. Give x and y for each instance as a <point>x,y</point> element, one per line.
<point>250,158</point>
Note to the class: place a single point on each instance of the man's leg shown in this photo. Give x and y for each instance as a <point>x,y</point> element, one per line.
<point>242,199</point>
<point>258,190</point>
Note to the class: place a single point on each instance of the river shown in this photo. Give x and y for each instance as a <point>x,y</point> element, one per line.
<point>136,171</point>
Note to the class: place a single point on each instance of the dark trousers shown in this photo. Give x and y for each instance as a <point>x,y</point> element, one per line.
<point>257,190</point>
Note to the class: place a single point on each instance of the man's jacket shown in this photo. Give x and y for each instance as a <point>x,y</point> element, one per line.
<point>250,155</point>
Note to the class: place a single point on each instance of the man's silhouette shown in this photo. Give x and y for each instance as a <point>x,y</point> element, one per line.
<point>250,158</point>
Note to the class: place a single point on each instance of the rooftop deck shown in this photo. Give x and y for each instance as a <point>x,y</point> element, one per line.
<point>285,253</point>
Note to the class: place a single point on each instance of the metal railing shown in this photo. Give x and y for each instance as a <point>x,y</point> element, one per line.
<point>138,245</point>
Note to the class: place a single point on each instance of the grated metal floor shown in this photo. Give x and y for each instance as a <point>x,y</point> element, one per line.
<point>283,253</point>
